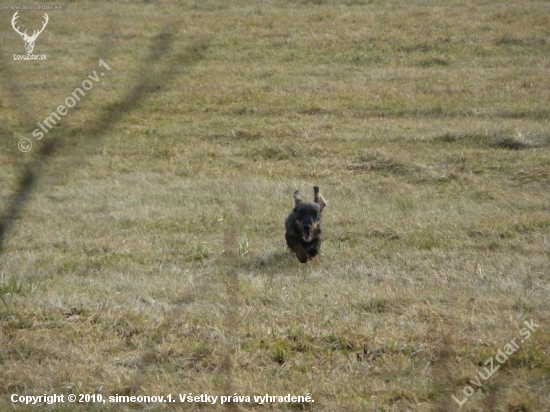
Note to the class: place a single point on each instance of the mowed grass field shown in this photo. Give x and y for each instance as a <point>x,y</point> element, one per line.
<point>150,258</point>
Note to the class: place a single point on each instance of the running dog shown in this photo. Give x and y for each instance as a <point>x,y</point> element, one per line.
<point>303,226</point>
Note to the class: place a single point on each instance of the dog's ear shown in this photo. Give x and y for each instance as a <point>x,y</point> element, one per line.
<point>297,199</point>
<point>318,198</point>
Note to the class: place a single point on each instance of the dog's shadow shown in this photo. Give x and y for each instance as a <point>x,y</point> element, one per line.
<point>280,260</point>
<point>274,261</point>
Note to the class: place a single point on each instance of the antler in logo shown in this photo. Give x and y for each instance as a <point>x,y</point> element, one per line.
<point>29,40</point>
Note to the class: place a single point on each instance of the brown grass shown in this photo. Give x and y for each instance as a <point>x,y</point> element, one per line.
<point>151,259</point>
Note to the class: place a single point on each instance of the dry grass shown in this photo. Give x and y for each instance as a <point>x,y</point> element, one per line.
<point>150,259</point>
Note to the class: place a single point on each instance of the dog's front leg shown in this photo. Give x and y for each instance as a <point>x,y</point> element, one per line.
<point>296,246</point>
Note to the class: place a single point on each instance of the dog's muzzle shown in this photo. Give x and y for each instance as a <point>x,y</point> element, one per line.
<point>307,235</point>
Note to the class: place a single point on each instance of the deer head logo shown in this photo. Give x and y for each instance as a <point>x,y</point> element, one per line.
<point>29,40</point>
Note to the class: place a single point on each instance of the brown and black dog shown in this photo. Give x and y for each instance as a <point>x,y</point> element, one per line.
<point>303,226</point>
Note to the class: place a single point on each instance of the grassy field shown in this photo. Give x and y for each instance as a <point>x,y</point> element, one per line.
<point>150,258</point>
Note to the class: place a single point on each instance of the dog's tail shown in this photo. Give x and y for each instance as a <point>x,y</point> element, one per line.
<point>318,198</point>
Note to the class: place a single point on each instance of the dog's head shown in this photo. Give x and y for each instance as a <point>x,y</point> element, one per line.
<point>307,215</point>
